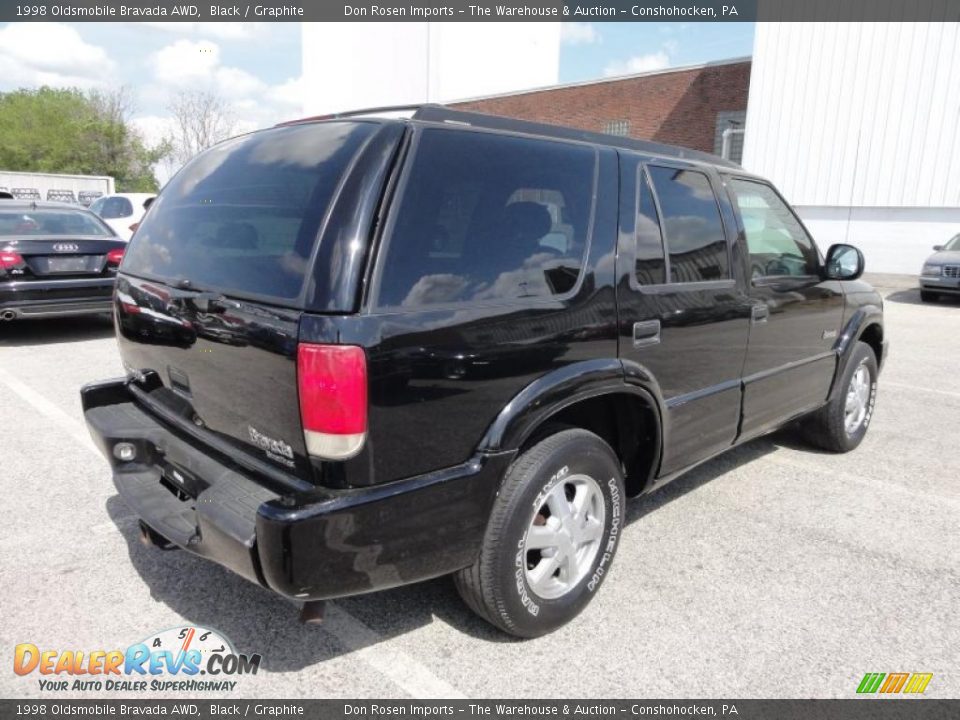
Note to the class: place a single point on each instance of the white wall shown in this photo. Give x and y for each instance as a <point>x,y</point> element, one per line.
<point>893,240</point>
<point>365,64</point>
<point>863,116</point>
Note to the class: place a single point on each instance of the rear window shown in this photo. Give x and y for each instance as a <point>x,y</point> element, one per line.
<point>488,218</point>
<point>244,216</point>
<point>51,222</point>
<point>692,225</point>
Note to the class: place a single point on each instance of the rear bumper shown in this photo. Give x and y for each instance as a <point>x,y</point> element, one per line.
<point>48,298</point>
<point>305,545</point>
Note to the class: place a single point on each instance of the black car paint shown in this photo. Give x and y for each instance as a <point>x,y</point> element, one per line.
<point>454,393</point>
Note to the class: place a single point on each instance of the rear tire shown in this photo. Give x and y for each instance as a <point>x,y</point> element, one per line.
<point>551,537</point>
<point>929,296</point>
<point>841,424</point>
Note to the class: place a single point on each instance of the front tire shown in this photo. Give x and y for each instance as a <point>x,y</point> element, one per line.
<point>552,535</point>
<point>928,296</point>
<point>841,424</point>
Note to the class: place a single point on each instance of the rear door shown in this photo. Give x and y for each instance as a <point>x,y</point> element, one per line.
<point>213,285</point>
<point>796,315</point>
<point>682,311</point>
<point>495,269</point>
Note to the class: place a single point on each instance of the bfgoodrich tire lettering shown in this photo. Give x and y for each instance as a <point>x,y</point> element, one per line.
<point>573,464</point>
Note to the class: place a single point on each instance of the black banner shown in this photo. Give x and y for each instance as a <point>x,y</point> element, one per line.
<point>853,709</point>
<point>479,10</point>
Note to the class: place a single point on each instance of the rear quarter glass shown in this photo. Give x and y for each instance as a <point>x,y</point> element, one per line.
<point>244,216</point>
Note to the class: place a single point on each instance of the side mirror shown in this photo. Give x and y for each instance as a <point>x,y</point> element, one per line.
<point>844,262</point>
<point>938,248</point>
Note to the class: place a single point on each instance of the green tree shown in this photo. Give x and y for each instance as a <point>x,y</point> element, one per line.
<point>69,131</point>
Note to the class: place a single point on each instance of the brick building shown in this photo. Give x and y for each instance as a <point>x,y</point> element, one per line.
<point>689,106</point>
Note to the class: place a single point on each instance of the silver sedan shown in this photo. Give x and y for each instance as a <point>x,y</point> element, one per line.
<point>941,272</point>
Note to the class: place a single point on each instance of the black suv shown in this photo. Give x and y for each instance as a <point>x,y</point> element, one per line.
<point>366,351</point>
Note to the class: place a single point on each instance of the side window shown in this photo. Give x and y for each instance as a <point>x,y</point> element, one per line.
<point>776,241</point>
<point>487,217</point>
<point>692,226</point>
<point>650,268</point>
<point>114,208</point>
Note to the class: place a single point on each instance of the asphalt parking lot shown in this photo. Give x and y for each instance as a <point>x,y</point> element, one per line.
<point>772,571</point>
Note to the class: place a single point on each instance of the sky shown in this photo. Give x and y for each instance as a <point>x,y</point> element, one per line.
<point>256,66</point>
<point>594,50</point>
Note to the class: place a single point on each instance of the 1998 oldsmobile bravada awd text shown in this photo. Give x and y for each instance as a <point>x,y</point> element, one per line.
<point>363,352</point>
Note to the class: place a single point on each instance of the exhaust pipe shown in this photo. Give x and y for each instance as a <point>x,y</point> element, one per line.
<point>8,315</point>
<point>151,538</point>
<point>312,612</point>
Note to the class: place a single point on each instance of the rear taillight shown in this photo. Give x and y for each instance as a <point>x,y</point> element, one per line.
<point>115,256</point>
<point>332,380</point>
<point>10,260</point>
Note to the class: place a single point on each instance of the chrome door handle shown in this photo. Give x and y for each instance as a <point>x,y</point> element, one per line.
<point>646,332</point>
<point>759,314</point>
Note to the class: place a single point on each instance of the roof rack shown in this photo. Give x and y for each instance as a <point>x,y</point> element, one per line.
<point>441,114</point>
<point>434,113</point>
<point>385,109</point>
<point>357,113</point>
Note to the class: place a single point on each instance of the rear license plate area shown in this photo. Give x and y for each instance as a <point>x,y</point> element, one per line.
<point>72,264</point>
<point>182,483</point>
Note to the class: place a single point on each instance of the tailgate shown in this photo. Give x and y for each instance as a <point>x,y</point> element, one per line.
<point>240,222</point>
<point>228,366</point>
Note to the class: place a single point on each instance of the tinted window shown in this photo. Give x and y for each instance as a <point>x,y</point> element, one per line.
<point>691,224</point>
<point>487,217</point>
<point>112,208</point>
<point>776,241</point>
<point>244,215</point>
<point>650,267</point>
<point>51,222</point>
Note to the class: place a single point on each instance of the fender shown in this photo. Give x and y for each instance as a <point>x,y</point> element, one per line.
<point>564,387</point>
<point>862,318</point>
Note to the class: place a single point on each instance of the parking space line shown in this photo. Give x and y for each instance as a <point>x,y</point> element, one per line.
<point>49,410</point>
<point>370,647</point>
<point>919,388</point>
<point>797,462</point>
<point>411,676</point>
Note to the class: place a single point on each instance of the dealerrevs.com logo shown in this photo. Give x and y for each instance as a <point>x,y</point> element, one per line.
<point>184,659</point>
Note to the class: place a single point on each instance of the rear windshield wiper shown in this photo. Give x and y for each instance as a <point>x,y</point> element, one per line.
<point>203,301</point>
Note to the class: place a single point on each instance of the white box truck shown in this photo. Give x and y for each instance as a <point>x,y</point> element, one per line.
<point>83,189</point>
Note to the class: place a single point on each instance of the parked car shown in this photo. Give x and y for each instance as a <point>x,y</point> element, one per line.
<point>456,345</point>
<point>941,272</point>
<point>55,259</point>
<point>122,211</point>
